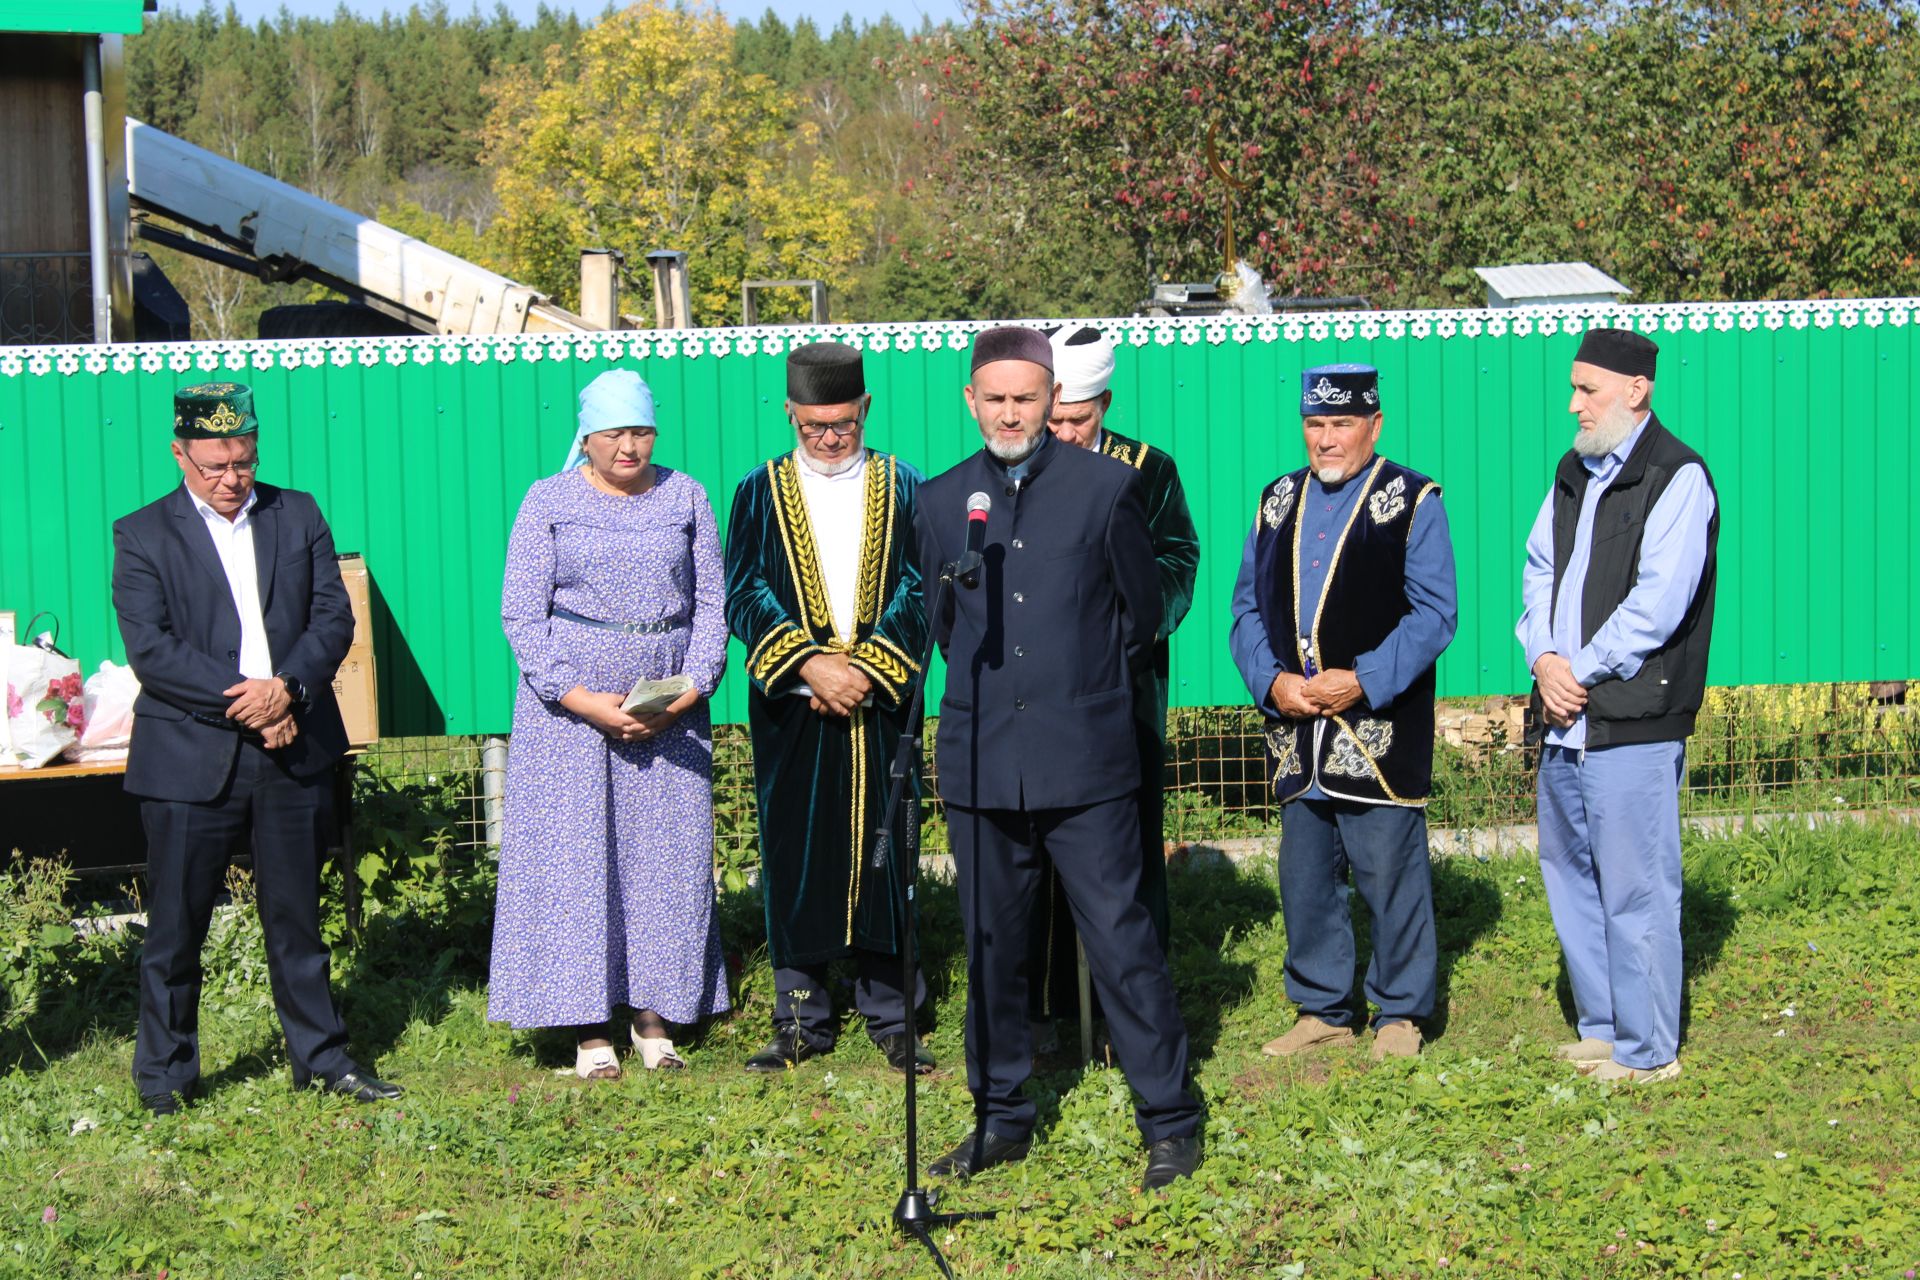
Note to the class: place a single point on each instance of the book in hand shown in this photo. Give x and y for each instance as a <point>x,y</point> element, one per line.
<point>650,696</point>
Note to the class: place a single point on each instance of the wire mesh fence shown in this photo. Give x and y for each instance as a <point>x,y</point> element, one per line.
<point>1758,749</point>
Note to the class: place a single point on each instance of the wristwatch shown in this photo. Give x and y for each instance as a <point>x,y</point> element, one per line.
<point>295,690</point>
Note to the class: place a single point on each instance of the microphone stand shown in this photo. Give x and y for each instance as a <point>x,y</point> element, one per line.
<point>914,1214</point>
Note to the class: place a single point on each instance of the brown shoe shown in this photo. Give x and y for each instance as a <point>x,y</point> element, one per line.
<point>1308,1034</point>
<point>1396,1040</point>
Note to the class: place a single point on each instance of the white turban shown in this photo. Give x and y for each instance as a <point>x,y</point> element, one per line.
<point>1082,363</point>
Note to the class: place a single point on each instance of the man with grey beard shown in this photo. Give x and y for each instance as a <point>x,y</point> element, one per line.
<point>823,590</point>
<point>1036,750</point>
<point>1344,602</point>
<point>1618,594</point>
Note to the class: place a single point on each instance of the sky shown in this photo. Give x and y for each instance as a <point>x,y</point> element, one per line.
<point>826,13</point>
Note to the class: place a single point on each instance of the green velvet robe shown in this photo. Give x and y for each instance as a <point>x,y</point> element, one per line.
<point>1054,990</point>
<point>821,780</point>
<point>1176,553</point>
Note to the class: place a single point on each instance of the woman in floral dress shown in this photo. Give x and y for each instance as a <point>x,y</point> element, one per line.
<point>606,891</point>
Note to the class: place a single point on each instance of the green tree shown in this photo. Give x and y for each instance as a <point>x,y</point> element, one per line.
<point>647,136</point>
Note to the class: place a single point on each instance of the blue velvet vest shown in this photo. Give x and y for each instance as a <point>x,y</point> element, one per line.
<point>1378,755</point>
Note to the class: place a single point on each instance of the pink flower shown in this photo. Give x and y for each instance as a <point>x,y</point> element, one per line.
<point>49,1214</point>
<point>76,715</point>
<point>71,686</point>
<point>15,703</point>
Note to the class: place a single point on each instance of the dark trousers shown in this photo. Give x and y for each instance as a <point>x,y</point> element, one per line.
<point>284,822</point>
<point>1053,969</point>
<point>1384,848</point>
<point>1096,849</point>
<point>802,997</point>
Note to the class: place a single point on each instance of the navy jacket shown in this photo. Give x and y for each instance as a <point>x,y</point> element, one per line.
<point>182,634</point>
<point>1041,656</point>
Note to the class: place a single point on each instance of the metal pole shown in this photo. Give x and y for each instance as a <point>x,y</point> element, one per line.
<point>493,790</point>
<point>97,247</point>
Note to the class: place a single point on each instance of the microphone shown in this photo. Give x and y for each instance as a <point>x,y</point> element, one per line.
<point>967,568</point>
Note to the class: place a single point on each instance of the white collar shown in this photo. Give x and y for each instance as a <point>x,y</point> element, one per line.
<point>207,512</point>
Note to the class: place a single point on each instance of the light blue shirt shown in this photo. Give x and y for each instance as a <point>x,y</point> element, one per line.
<point>1413,646</point>
<point>1673,554</point>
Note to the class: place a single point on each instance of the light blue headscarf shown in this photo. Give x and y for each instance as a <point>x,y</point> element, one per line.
<point>617,398</point>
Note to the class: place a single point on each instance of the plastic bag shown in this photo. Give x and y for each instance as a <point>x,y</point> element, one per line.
<point>107,707</point>
<point>46,709</point>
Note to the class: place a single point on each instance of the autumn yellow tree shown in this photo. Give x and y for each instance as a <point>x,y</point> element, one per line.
<point>648,136</point>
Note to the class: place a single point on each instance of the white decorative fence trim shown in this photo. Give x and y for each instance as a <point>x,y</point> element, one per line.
<point>774,340</point>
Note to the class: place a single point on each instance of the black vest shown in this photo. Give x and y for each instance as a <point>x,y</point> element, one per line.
<point>1660,702</point>
<point>1382,755</point>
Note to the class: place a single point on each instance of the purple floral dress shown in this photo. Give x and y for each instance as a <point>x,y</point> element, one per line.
<point>606,863</point>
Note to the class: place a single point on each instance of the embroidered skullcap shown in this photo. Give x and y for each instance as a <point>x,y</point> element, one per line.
<point>1082,362</point>
<point>1012,342</point>
<point>617,398</point>
<point>1619,350</point>
<point>214,411</point>
<point>825,373</point>
<point>1339,391</point>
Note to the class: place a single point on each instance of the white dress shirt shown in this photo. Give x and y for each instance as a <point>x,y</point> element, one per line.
<point>233,540</point>
<point>835,508</point>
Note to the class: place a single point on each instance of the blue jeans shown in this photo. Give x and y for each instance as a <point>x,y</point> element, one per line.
<point>1610,858</point>
<point>1384,848</point>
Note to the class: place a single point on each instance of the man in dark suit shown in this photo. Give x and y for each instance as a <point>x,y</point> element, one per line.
<point>235,620</point>
<point>1036,751</point>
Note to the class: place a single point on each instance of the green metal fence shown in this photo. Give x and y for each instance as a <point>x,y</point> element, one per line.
<point>419,451</point>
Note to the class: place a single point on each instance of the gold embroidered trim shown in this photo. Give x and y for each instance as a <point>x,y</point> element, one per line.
<point>1135,457</point>
<point>882,667</point>
<point>772,633</point>
<point>1419,498</point>
<point>789,645</point>
<point>1284,743</point>
<point>902,655</point>
<point>876,543</point>
<point>858,737</point>
<point>803,557</point>
<point>222,421</point>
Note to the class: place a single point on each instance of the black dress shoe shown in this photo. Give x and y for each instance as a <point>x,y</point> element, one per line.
<point>163,1104</point>
<point>981,1150</point>
<point>898,1048</point>
<point>357,1085</point>
<point>788,1048</point>
<point>1171,1158</point>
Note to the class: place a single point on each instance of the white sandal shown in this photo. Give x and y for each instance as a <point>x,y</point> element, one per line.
<point>600,1063</point>
<point>657,1052</point>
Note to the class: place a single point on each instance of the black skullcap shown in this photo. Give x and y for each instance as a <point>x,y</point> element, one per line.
<point>825,373</point>
<point>1340,391</point>
<point>1012,342</point>
<point>1620,350</point>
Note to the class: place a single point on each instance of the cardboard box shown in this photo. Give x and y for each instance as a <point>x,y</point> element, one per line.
<point>355,686</point>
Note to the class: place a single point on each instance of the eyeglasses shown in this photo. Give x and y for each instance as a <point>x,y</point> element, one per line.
<point>242,470</point>
<point>815,430</point>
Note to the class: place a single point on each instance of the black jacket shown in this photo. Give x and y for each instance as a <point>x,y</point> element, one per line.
<point>1041,656</point>
<point>182,634</point>
<point>1660,702</point>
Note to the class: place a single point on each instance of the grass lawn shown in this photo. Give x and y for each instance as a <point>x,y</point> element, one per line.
<point>1790,1146</point>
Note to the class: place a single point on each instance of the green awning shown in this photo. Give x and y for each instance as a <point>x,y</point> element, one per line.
<point>72,17</point>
